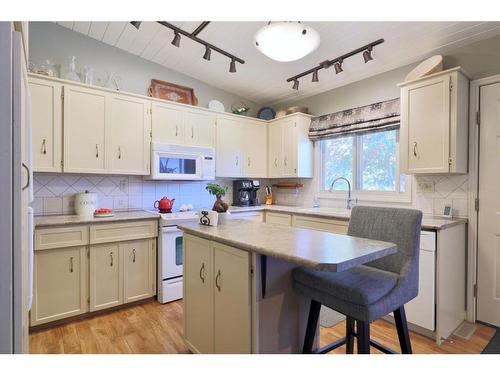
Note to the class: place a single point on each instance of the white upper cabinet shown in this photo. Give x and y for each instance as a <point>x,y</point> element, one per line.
<point>241,147</point>
<point>85,118</point>
<point>434,123</point>
<point>46,124</point>
<point>290,149</point>
<point>199,128</point>
<point>254,146</point>
<point>228,148</point>
<point>173,123</point>
<point>128,135</point>
<point>167,123</point>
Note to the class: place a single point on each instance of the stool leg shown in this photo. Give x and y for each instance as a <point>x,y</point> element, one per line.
<point>312,324</point>
<point>349,330</point>
<point>402,327</point>
<point>363,329</point>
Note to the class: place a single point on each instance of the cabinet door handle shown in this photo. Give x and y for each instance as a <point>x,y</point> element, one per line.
<point>202,273</point>
<point>133,257</point>
<point>27,176</point>
<point>275,162</point>
<point>176,130</point>
<point>249,161</point>
<point>237,161</point>
<point>285,162</point>
<point>71,264</point>
<point>119,152</point>
<point>217,280</point>
<point>44,147</point>
<point>96,150</point>
<point>192,132</point>
<point>415,153</point>
<point>111,256</point>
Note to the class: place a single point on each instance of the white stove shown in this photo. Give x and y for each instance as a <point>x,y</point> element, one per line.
<point>170,241</point>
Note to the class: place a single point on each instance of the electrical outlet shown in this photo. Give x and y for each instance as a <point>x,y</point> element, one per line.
<point>123,186</point>
<point>425,186</point>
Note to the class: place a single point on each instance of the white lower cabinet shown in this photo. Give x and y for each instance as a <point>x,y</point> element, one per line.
<point>60,284</point>
<point>75,272</point>
<point>106,281</point>
<point>217,291</point>
<point>139,271</point>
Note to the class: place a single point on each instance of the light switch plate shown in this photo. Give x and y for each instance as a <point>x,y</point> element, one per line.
<point>425,186</point>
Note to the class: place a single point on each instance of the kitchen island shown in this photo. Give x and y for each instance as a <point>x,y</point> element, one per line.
<point>238,291</point>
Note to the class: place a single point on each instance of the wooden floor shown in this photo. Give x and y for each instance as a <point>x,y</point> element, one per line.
<point>156,328</point>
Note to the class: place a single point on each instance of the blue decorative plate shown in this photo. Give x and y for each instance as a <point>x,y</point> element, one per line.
<point>266,113</point>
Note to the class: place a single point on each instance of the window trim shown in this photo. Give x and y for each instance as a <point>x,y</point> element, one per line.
<point>363,195</point>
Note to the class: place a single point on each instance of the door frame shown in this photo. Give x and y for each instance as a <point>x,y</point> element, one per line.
<point>474,133</point>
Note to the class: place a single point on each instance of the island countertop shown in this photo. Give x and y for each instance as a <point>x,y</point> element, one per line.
<point>304,247</point>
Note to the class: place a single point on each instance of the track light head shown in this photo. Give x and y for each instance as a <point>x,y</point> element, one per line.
<point>315,76</point>
<point>295,84</point>
<point>136,24</point>
<point>232,66</point>
<point>207,54</point>
<point>177,39</point>
<point>338,66</point>
<point>367,54</point>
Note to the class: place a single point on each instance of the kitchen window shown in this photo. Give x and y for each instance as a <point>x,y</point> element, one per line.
<point>370,161</point>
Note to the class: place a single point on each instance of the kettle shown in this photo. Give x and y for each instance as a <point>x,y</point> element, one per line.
<point>164,205</point>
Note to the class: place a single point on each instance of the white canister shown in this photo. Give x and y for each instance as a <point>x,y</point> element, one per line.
<point>86,203</point>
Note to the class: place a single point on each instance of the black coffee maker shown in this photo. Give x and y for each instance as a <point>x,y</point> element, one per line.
<point>245,193</point>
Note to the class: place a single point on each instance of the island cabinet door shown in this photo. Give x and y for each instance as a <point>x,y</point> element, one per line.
<point>138,279</point>
<point>198,312</point>
<point>232,306</point>
<point>106,281</point>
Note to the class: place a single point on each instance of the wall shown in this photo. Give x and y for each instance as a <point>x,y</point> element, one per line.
<point>51,41</point>
<point>54,193</point>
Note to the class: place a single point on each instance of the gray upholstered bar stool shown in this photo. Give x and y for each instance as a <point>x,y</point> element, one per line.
<point>368,292</point>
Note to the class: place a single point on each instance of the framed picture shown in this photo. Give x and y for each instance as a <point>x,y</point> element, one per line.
<point>171,91</point>
<point>447,211</point>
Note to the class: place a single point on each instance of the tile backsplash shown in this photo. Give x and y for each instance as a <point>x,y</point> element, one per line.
<point>444,190</point>
<point>54,193</point>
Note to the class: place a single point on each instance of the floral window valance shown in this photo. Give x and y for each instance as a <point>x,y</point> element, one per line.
<point>373,117</point>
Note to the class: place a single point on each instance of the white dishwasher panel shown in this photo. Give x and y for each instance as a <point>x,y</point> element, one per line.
<point>421,311</point>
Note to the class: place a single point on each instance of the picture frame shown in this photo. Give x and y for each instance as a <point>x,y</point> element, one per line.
<point>172,92</point>
<point>448,211</point>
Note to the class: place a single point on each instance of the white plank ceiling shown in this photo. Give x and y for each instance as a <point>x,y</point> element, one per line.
<point>263,80</point>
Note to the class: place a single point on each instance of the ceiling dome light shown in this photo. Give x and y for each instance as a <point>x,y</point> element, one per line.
<point>286,41</point>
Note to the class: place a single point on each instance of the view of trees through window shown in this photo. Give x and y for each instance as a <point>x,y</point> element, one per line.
<point>368,161</point>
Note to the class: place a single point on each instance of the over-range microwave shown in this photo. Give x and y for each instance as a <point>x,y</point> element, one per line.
<point>181,162</point>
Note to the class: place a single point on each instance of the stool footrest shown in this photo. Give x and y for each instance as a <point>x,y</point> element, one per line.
<point>343,340</point>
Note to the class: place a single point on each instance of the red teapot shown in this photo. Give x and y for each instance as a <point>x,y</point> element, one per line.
<point>164,205</point>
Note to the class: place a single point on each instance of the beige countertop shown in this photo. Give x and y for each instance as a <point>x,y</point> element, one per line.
<point>52,220</point>
<point>428,222</point>
<point>305,247</point>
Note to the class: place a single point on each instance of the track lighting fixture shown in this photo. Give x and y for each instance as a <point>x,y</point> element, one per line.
<point>232,66</point>
<point>136,24</point>
<point>209,47</point>
<point>337,62</point>
<point>338,67</point>
<point>207,54</point>
<point>177,39</point>
<point>367,54</point>
<point>315,76</point>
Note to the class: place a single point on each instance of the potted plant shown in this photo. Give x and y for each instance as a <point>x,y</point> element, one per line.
<point>219,206</point>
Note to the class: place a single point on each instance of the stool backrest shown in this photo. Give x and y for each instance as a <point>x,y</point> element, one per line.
<point>397,225</point>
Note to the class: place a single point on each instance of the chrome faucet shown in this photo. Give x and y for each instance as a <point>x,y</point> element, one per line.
<point>350,201</point>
